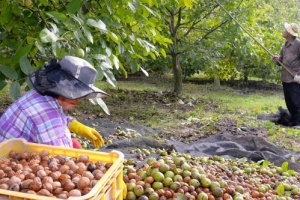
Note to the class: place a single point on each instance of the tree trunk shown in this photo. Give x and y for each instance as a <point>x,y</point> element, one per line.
<point>246,73</point>
<point>177,75</point>
<point>246,77</point>
<point>217,82</point>
<point>264,77</point>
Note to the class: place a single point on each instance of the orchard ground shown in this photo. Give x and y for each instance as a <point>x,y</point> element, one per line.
<point>200,111</point>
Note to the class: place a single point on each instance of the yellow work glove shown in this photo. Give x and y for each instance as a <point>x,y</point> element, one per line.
<point>124,186</point>
<point>87,132</point>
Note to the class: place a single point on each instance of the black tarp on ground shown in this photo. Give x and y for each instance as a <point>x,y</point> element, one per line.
<point>227,145</point>
<point>231,146</point>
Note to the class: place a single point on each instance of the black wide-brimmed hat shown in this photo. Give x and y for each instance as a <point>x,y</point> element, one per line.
<point>72,78</point>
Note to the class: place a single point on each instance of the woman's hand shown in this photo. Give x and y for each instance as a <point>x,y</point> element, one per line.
<point>87,132</point>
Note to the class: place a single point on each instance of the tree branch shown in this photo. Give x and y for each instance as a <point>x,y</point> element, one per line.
<point>209,32</point>
<point>99,4</point>
<point>178,19</point>
<point>53,4</point>
<point>39,16</point>
<point>198,21</point>
<point>180,10</point>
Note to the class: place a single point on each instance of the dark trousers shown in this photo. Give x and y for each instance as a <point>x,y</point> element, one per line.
<point>291,93</point>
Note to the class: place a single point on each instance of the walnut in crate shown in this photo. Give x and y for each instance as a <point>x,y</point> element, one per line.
<point>53,176</point>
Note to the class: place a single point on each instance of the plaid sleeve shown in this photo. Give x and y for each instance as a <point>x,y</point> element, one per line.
<point>49,125</point>
<point>69,119</point>
<point>38,119</point>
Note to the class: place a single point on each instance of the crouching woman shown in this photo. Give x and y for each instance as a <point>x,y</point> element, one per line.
<point>38,116</point>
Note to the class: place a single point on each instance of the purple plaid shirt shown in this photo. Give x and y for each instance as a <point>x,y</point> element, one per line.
<point>38,119</point>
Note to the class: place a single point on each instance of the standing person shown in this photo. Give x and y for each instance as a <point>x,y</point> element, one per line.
<point>290,57</point>
<point>38,115</point>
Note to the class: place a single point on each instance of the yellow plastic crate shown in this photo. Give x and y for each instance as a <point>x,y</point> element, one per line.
<point>109,187</point>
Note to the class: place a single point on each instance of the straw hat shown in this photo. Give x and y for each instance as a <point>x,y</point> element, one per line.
<point>72,78</point>
<point>292,28</point>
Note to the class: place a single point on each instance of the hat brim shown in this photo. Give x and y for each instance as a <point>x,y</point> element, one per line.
<point>288,28</point>
<point>58,82</point>
<point>97,94</point>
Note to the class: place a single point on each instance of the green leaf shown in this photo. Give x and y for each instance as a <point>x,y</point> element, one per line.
<point>56,48</point>
<point>259,162</point>
<point>113,37</point>
<point>6,14</point>
<point>153,3</point>
<point>285,166</point>
<point>108,51</point>
<point>116,62</point>
<point>110,78</point>
<point>22,51</point>
<point>132,7</point>
<point>88,34</point>
<point>134,67</point>
<point>291,172</point>
<point>105,65</point>
<point>149,10</point>
<point>121,48</point>
<point>8,72</point>
<point>101,103</point>
<point>243,160</point>
<point>54,28</point>
<point>123,69</point>
<point>188,3</point>
<point>98,24</point>
<point>47,36</point>
<point>40,48</point>
<point>100,74</point>
<point>167,40</point>
<point>78,34</point>
<point>144,71</point>
<point>153,56</point>
<point>265,163</point>
<point>29,84</point>
<point>2,84</point>
<point>99,57</point>
<point>107,3</point>
<point>25,65</point>
<point>74,6</point>
<point>30,39</point>
<point>15,90</point>
<point>56,15</point>
<point>78,19</point>
<point>44,2</point>
<point>280,189</point>
<point>163,52</point>
<point>108,21</point>
<point>149,44</point>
